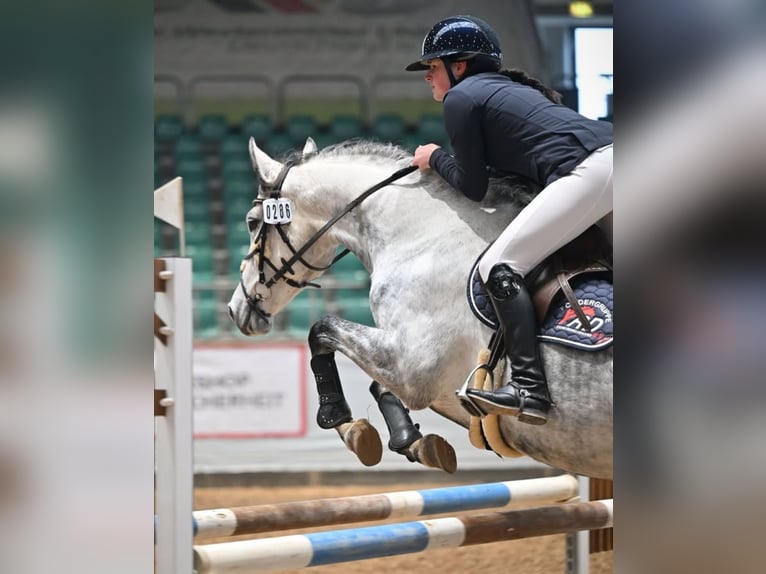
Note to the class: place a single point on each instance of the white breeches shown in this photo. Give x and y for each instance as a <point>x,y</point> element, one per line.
<point>557,215</point>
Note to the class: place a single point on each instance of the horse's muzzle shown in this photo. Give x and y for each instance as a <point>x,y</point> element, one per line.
<point>250,321</point>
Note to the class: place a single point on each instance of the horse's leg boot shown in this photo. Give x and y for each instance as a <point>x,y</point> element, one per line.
<point>402,431</point>
<point>333,408</point>
<point>527,394</point>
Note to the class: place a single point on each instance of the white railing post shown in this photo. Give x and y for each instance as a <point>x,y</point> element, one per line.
<point>174,471</point>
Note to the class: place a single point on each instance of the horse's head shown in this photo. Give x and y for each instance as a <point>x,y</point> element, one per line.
<point>282,258</point>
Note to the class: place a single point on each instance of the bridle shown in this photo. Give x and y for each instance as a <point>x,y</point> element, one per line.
<point>274,191</point>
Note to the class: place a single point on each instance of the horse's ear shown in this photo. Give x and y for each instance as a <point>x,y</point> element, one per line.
<point>310,148</point>
<point>262,163</point>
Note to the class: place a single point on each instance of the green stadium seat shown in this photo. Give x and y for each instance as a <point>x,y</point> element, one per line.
<point>236,254</point>
<point>279,144</point>
<point>259,127</point>
<point>191,169</point>
<point>166,167</point>
<point>197,233</point>
<point>202,257</point>
<point>412,141</point>
<point>431,129</point>
<point>212,158</point>
<point>168,127</point>
<point>194,190</point>
<point>305,310</point>
<point>163,232</point>
<point>346,127</point>
<point>188,146</point>
<point>323,140</point>
<point>239,188</point>
<point>212,127</point>
<point>236,208</point>
<point>157,234</point>
<point>208,317</point>
<point>202,279</point>
<point>300,127</point>
<point>388,128</point>
<point>234,147</point>
<point>237,234</point>
<point>240,168</point>
<point>197,210</point>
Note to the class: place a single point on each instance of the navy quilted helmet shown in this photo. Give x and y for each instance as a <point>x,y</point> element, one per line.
<point>458,38</point>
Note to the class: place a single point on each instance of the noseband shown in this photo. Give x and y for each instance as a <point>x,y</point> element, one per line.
<point>274,191</point>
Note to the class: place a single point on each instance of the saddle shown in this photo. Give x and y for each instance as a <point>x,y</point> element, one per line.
<point>586,254</point>
<point>571,291</point>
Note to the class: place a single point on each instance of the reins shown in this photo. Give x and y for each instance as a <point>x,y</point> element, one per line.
<point>274,190</point>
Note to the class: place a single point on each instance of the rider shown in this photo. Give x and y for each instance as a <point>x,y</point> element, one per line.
<point>511,123</point>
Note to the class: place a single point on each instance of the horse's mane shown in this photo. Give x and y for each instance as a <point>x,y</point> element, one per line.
<point>377,152</point>
<point>506,189</point>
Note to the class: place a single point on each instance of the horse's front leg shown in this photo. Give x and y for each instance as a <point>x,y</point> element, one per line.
<point>359,436</point>
<point>372,351</point>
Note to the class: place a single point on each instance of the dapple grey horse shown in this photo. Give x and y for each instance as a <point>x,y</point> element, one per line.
<point>418,238</point>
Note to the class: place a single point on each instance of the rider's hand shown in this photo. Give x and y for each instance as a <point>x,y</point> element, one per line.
<point>423,155</point>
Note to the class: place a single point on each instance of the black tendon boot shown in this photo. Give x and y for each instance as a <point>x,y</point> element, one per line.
<point>333,408</point>
<point>527,393</point>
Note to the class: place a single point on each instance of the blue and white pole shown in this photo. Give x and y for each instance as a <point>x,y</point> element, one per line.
<point>406,504</point>
<point>307,550</point>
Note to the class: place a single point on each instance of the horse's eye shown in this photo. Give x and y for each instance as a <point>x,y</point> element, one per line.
<point>252,225</point>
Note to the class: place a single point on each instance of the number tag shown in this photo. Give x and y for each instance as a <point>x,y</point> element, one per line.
<point>277,211</point>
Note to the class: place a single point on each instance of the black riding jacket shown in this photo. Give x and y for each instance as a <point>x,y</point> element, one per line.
<point>511,128</point>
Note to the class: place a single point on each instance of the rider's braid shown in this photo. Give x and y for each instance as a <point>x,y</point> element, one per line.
<point>521,77</point>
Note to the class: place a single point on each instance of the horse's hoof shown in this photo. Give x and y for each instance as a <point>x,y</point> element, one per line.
<point>435,452</point>
<point>362,439</point>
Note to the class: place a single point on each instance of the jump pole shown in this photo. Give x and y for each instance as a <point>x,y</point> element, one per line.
<point>307,550</point>
<point>405,504</point>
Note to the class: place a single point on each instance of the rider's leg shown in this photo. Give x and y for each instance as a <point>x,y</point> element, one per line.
<point>558,214</point>
<point>527,393</point>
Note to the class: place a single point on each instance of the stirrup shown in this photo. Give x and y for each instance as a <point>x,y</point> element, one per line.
<point>466,401</point>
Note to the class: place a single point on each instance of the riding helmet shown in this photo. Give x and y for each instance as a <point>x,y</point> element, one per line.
<point>458,38</point>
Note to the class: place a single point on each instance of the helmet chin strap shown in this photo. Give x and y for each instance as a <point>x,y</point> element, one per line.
<point>450,75</point>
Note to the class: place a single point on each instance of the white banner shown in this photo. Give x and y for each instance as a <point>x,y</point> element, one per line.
<point>250,392</point>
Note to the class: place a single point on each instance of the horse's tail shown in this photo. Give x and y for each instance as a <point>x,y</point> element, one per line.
<point>522,77</point>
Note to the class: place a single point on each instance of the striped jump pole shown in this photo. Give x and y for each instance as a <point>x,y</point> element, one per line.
<point>317,549</point>
<point>407,504</point>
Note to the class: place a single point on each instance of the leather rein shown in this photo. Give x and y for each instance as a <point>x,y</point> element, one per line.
<point>274,191</point>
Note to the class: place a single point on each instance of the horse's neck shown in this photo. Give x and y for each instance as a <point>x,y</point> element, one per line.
<point>371,224</point>
<point>405,218</point>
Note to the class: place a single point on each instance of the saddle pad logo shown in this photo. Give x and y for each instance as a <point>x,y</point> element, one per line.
<point>562,325</point>
<point>595,295</point>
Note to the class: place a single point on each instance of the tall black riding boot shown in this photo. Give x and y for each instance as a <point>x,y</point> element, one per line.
<point>527,394</point>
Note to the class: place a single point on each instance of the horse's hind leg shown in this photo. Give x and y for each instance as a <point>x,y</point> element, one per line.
<point>405,436</point>
<point>359,436</point>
